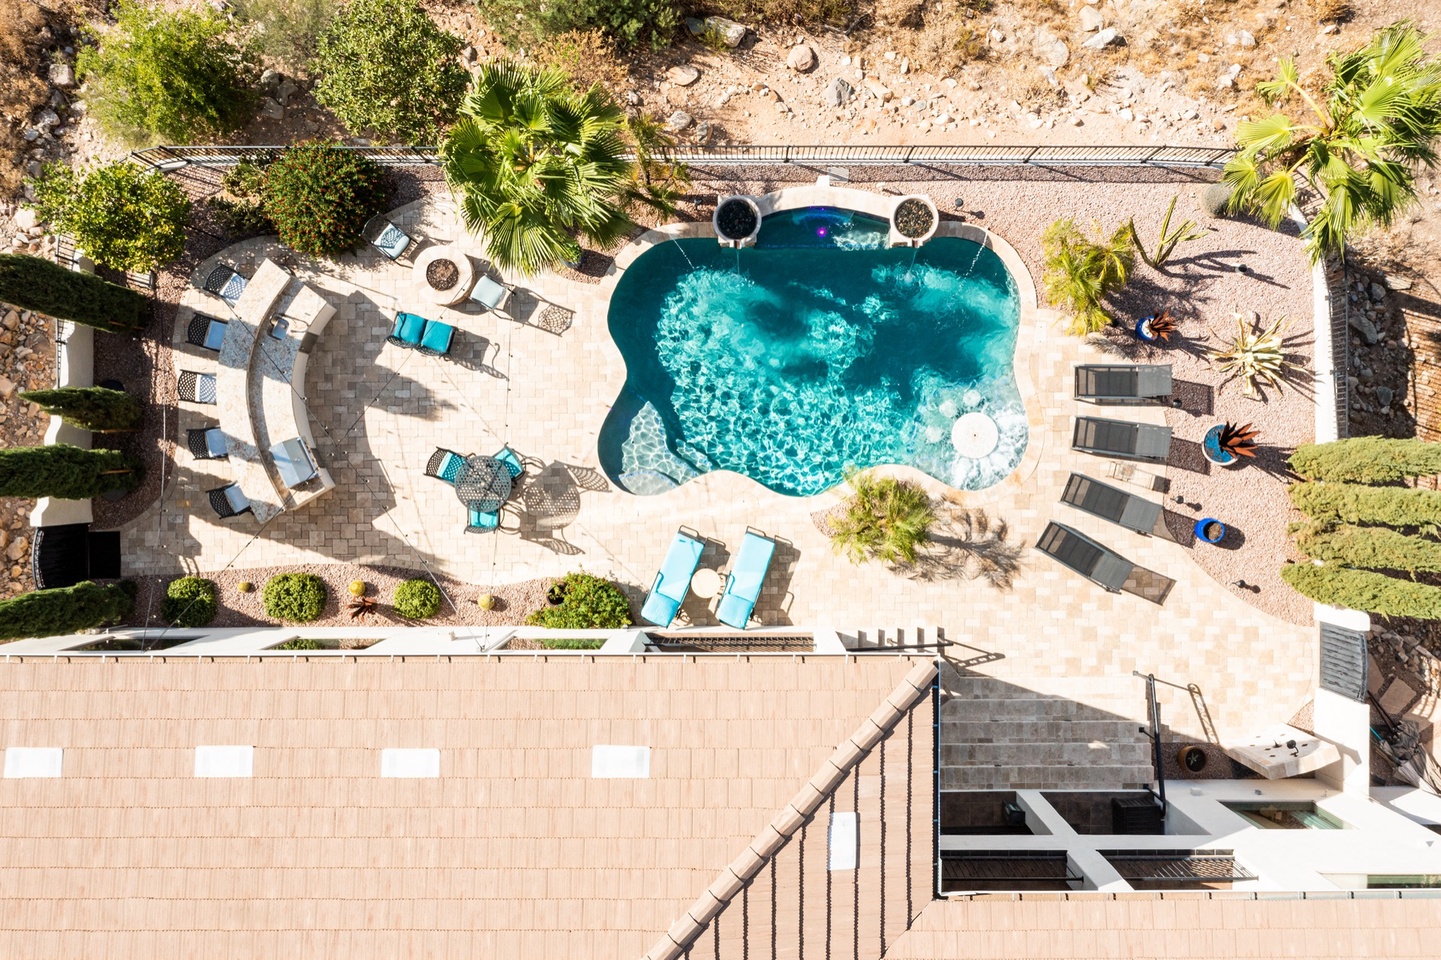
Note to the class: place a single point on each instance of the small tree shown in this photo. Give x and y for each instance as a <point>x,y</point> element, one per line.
<point>417,599</point>
<point>319,197</point>
<point>89,408</point>
<point>123,216</point>
<point>885,519</point>
<point>588,603</point>
<point>1082,272</point>
<point>66,472</point>
<point>1352,503</point>
<point>1367,460</point>
<point>48,613</point>
<point>385,67</point>
<point>1340,586</point>
<point>167,76</point>
<point>523,23</point>
<point>33,283</point>
<point>1372,548</point>
<point>298,597</point>
<point>287,31</point>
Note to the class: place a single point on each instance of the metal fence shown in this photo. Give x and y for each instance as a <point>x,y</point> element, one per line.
<point>175,157</point>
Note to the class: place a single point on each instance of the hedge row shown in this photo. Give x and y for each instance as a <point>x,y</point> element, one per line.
<point>33,283</point>
<point>65,471</point>
<point>49,613</point>
<point>1340,586</point>
<point>1374,548</point>
<point>1352,503</point>
<point>1367,460</point>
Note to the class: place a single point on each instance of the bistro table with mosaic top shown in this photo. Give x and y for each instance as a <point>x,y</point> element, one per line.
<point>482,483</point>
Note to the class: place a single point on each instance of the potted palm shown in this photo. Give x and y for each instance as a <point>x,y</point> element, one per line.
<point>1226,443</point>
<point>1158,326</point>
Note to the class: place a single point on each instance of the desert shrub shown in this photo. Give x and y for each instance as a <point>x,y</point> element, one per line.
<point>1081,272</point>
<point>287,31</point>
<point>417,599</point>
<point>300,643</point>
<point>1339,586</point>
<point>167,76</point>
<point>1367,460</point>
<point>1352,503</point>
<point>588,57</point>
<point>241,210</point>
<point>386,67</point>
<point>21,91</point>
<point>591,603</point>
<point>297,597</point>
<point>48,613</point>
<point>189,602</point>
<point>1372,548</point>
<point>1216,199</point>
<point>121,215</point>
<point>64,471</point>
<point>944,42</point>
<point>884,519</point>
<point>89,408</point>
<point>570,643</point>
<point>628,22</point>
<point>319,197</point>
<point>34,283</point>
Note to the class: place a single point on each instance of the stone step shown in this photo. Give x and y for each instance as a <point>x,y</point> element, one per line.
<point>1048,730</point>
<point>1031,777</point>
<point>1034,708</point>
<point>1041,754</point>
<point>974,686</point>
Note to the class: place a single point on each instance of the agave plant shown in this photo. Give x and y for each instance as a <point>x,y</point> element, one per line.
<point>1239,441</point>
<point>1169,239</point>
<point>1256,358</point>
<point>361,607</point>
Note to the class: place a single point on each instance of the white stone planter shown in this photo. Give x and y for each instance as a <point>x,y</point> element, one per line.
<point>898,239</point>
<point>747,240</point>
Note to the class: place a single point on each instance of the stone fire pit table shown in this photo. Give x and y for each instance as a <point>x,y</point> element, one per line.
<point>464,280</point>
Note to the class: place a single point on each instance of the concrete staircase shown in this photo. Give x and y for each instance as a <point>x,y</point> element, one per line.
<point>1047,733</point>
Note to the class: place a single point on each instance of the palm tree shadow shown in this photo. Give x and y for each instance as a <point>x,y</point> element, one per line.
<point>966,545</point>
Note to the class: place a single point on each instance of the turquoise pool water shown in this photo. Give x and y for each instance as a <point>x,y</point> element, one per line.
<point>815,350</point>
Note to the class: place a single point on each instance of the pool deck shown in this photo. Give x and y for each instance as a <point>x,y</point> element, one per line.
<point>380,411</point>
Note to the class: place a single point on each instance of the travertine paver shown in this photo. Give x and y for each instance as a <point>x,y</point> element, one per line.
<point>380,411</point>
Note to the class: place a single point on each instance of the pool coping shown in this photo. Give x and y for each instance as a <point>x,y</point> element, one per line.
<point>1031,325</point>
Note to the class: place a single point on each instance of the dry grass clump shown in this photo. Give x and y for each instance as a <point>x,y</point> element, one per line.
<point>1030,89</point>
<point>21,91</point>
<point>947,41</point>
<point>1334,11</point>
<point>588,57</point>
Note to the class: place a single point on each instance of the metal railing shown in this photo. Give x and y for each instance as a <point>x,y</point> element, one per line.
<point>176,157</point>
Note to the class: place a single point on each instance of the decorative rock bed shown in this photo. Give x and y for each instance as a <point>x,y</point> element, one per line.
<point>914,220</point>
<point>737,220</point>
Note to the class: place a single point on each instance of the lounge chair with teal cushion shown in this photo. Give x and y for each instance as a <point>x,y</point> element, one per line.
<point>481,522</point>
<point>743,585</point>
<point>673,581</point>
<point>407,330</point>
<point>435,340</point>
<point>513,464</point>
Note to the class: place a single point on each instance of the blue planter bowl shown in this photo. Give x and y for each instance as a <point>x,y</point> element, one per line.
<point>1210,530</point>
<point>1211,447</point>
<point>1143,333</point>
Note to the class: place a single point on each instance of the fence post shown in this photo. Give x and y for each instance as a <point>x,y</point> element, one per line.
<point>1147,157</point>
<point>1033,152</point>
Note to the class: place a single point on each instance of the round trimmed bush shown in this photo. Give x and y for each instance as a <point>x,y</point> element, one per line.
<point>417,599</point>
<point>319,197</point>
<point>297,597</point>
<point>1216,198</point>
<point>189,602</point>
<point>299,643</point>
<point>590,603</point>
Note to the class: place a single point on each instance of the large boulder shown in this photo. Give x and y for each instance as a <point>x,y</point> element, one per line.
<point>837,93</point>
<point>801,58</point>
<point>1050,50</point>
<point>729,32</point>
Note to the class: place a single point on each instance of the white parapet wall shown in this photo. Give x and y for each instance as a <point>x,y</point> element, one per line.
<point>74,367</point>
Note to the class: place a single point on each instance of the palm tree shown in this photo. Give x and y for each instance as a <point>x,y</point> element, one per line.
<point>1373,127</point>
<point>885,519</point>
<point>1081,272</point>
<point>536,163</point>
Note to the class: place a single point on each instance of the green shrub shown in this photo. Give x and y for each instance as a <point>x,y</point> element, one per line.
<point>33,283</point>
<point>417,599</point>
<point>287,31</point>
<point>89,408</point>
<point>121,215</point>
<point>64,471</point>
<point>570,643</point>
<point>1352,503</point>
<point>1340,586</point>
<point>319,197</point>
<point>1367,460</point>
<point>172,77</point>
<point>1082,272</point>
<point>48,613</point>
<point>524,23</point>
<point>385,67</point>
<point>591,603</point>
<point>300,643</point>
<point>1216,199</point>
<point>885,519</point>
<point>189,602</point>
<point>1373,548</point>
<point>297,597</point>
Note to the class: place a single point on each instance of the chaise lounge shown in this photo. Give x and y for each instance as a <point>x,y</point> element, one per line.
<point>672,583</point>
<point>1111,503</point>
<point>1071,548</point>
<point>1121,438</point>
<point>743,585</point>
<point>1123,383</point>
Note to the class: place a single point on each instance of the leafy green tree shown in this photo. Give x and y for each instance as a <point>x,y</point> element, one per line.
<point>535,163</point>
<point>1359,146</point>
<point>524,23</point>
<point>1373,548</point>
<point>885,519</point>
<point>319,197</point>
<point>167,76</point>
<point>49,613</point>
<point>1353,503</point>
<point>34,283</point>
<point>386,67</point>
<point>64,471</point>
<point>189,602</point>
<point>1340,586</point>
<point>121,215</point>
<point>589,603</point>
<point>1082,272</point>
<point>1367,460</point>
<point>89,408</point>
<point>287,31</point>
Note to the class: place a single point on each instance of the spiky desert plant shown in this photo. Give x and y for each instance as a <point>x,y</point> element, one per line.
<point>1239,441</point>
<point>885,519</point>
<point>1169,239</point>
<point>1256,358</point>
<point>361,607</point>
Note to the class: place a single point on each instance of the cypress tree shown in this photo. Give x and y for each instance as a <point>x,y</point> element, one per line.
<point>1339,586</point>
<point>89,408</point>
<point>1367,460</point>
<point>47,613</point>
<point>64,471</point>
<point>33,283</point>
<point>1353,503</point>
<point>1374,548</point>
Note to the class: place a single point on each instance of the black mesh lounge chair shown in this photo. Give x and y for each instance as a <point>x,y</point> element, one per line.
<point>386,237</point>
<point>206,332</point>
<point>444,464</point>
<point>1110,503</point>
<point>1123,383</point>
<point>196,387</point>
<point>228,501</point>
<point>225,283</point>
<point>206,443</point>
<point>1070,548</point>
<point>1121,438</point>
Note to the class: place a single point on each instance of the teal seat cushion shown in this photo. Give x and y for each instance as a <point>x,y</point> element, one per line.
<point>513,466</point>
<point>450,468</point>
<point>437,336</point>
<point>484,520</point>
<point>408,327</point>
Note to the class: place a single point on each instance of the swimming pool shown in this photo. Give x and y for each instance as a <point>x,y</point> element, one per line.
<point>815,350</point>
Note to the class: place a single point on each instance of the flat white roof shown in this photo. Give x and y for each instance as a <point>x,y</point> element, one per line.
<point>24,762</point>
<point>609,761</point>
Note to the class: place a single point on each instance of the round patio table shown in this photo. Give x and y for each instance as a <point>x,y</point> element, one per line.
<point>482,483</point>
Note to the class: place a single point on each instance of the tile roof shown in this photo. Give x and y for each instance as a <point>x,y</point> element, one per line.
<point>515,851</point>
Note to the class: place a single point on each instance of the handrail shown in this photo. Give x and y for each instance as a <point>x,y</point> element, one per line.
<point>1155,711</point>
